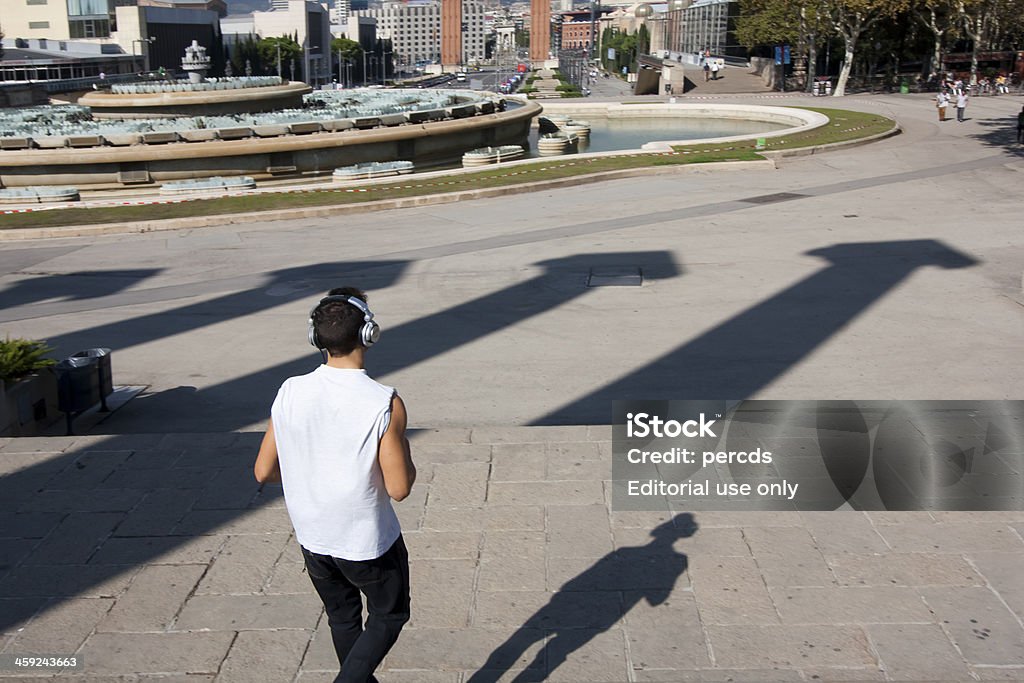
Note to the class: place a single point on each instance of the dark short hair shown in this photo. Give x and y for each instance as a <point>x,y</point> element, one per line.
<point>338,322</point>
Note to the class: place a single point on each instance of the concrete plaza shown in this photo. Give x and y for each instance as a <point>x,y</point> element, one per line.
<point>891,270</point>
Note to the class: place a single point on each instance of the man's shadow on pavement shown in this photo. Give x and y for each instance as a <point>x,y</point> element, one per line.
<point>649,572</point>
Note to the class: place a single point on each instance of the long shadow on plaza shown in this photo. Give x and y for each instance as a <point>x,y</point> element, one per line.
<point>80,285</point>
<point>592,602</point>
<point>79,522</point>
<point>745,353</point>
<point>134,497</point>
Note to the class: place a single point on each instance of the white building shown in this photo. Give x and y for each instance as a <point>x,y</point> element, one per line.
<point>310,22</point>
<point>415,30</point>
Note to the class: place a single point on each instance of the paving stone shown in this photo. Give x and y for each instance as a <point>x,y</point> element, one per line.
<point>127,653</point>
<point>850,605</point>
<point>40,444</point>
<point>708,519</point>
<point>578,531</point>
<point>1003,573</point>
<point>288,578</point>
<point>501,545</point>
<point>541,609</point>
<point>915,652</point>
<point>844,532</point>
<point>154,458</point>
<point>601,433</point>
<point>459,484</point>
<point>638,519</point>
<point>158,550</point>
<point>516,435</point>
<point>417,677</point>
<point>448,435</point>
<point>264,656</point>
<point>234,522</point>
<point>666,635</point>
<point>979,624</point>
<point>176,478</point>
<point>951,537</point>
<point>228,489</point>
<point>441,649</point>
<point>76,538</point>
<point>442,545</point>
<point>158,513</point>
<point>787,556</point>
<point>432,454</point>
<point>153,599</point>
<point>885,517</point>
<point>560,468</point>
<point>491,517</point>
<point>730,590</point>
<point>13,551</point>
<point>320,655</point>
<point>616,572</point>
<point>109,500</point>
<point>206,441</point>
<point>88,470</point>
<point>784,646</point>
<point>718,676</point>
<point>212,457</point>
<point>61,627</point>
<point>541,492</point>
<point>711,542</point>
<point>513,574</point>
<point>518,462</point>
<point>575,655</point>
<point>243,565</point>
<point>16,612</point>
<point>853,675</point>
<point>22,525</point>
<point>18,491</point>
<point>903,569</point>
<point>80,580</point>
<point>442,592</point>
<point>247,612</point>
<point>988,516</point>
<point>1000,673</point>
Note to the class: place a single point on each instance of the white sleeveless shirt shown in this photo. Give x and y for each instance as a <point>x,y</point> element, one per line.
<point>328,426</point>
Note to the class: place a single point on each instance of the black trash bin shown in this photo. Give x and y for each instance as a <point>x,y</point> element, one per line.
<point>102,357</point>
<point>78,385</point>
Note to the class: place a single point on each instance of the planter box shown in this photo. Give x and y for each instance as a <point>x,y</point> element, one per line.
<point>29,405</point>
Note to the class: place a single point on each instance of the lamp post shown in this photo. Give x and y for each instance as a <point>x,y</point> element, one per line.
<point>364,68</point>
<point>310,77</point>
<point>384,65</point>
<point>279,59</point>
<point>148,41</point>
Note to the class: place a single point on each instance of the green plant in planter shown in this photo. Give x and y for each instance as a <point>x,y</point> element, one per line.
<point>20,357</point>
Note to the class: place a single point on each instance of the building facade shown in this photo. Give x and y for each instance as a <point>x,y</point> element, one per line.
<point>703,25</point>
<point>416,31</point>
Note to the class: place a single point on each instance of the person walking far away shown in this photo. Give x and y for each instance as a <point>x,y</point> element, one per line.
<point>336,441</point>
<point>707,71</point>
<point>961,105</point>
<point>714,70</point>
<point>1020,125</point>
<point>942,101</point>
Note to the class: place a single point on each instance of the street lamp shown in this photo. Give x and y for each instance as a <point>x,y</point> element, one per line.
<point>310,77</point>
<point>148,41</point>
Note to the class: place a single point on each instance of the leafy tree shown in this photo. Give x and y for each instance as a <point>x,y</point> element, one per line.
<point>773,22</point>
<point>283,48</point>
<point>851,19</point>
<point>990,24</point>
<point>941,18</point>
<point>643,40</point>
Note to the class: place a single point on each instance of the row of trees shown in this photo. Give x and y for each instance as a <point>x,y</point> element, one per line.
<point>284,55</point>
<point>627,47</point>
<point>975,25</point>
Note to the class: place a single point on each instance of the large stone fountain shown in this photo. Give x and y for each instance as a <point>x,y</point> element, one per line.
<point>195,96</point>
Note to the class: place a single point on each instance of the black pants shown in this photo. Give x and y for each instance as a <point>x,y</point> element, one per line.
<point>385,583</point>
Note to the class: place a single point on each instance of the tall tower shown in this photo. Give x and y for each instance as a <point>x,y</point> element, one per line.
<point>451,32</point>
<point>540,30</point>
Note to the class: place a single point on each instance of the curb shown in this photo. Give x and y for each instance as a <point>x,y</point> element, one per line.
<point>101,229</point>
<point>816,149</point>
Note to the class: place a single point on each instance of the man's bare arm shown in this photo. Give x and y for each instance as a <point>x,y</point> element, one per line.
<point>267,468</point>
<point>394,454</point>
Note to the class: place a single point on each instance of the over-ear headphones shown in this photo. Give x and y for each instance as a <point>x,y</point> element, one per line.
<point>369,333</point>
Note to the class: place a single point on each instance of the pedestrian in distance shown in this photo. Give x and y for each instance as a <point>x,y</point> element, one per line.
<point>707,71</point>
<point>336,441</point>
<point>961,105</point>
<point>714,70</point>
<point>941,102</point>
<point>1020,125</point>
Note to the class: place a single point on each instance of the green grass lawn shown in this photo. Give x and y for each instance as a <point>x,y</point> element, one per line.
<point>844,125</point>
